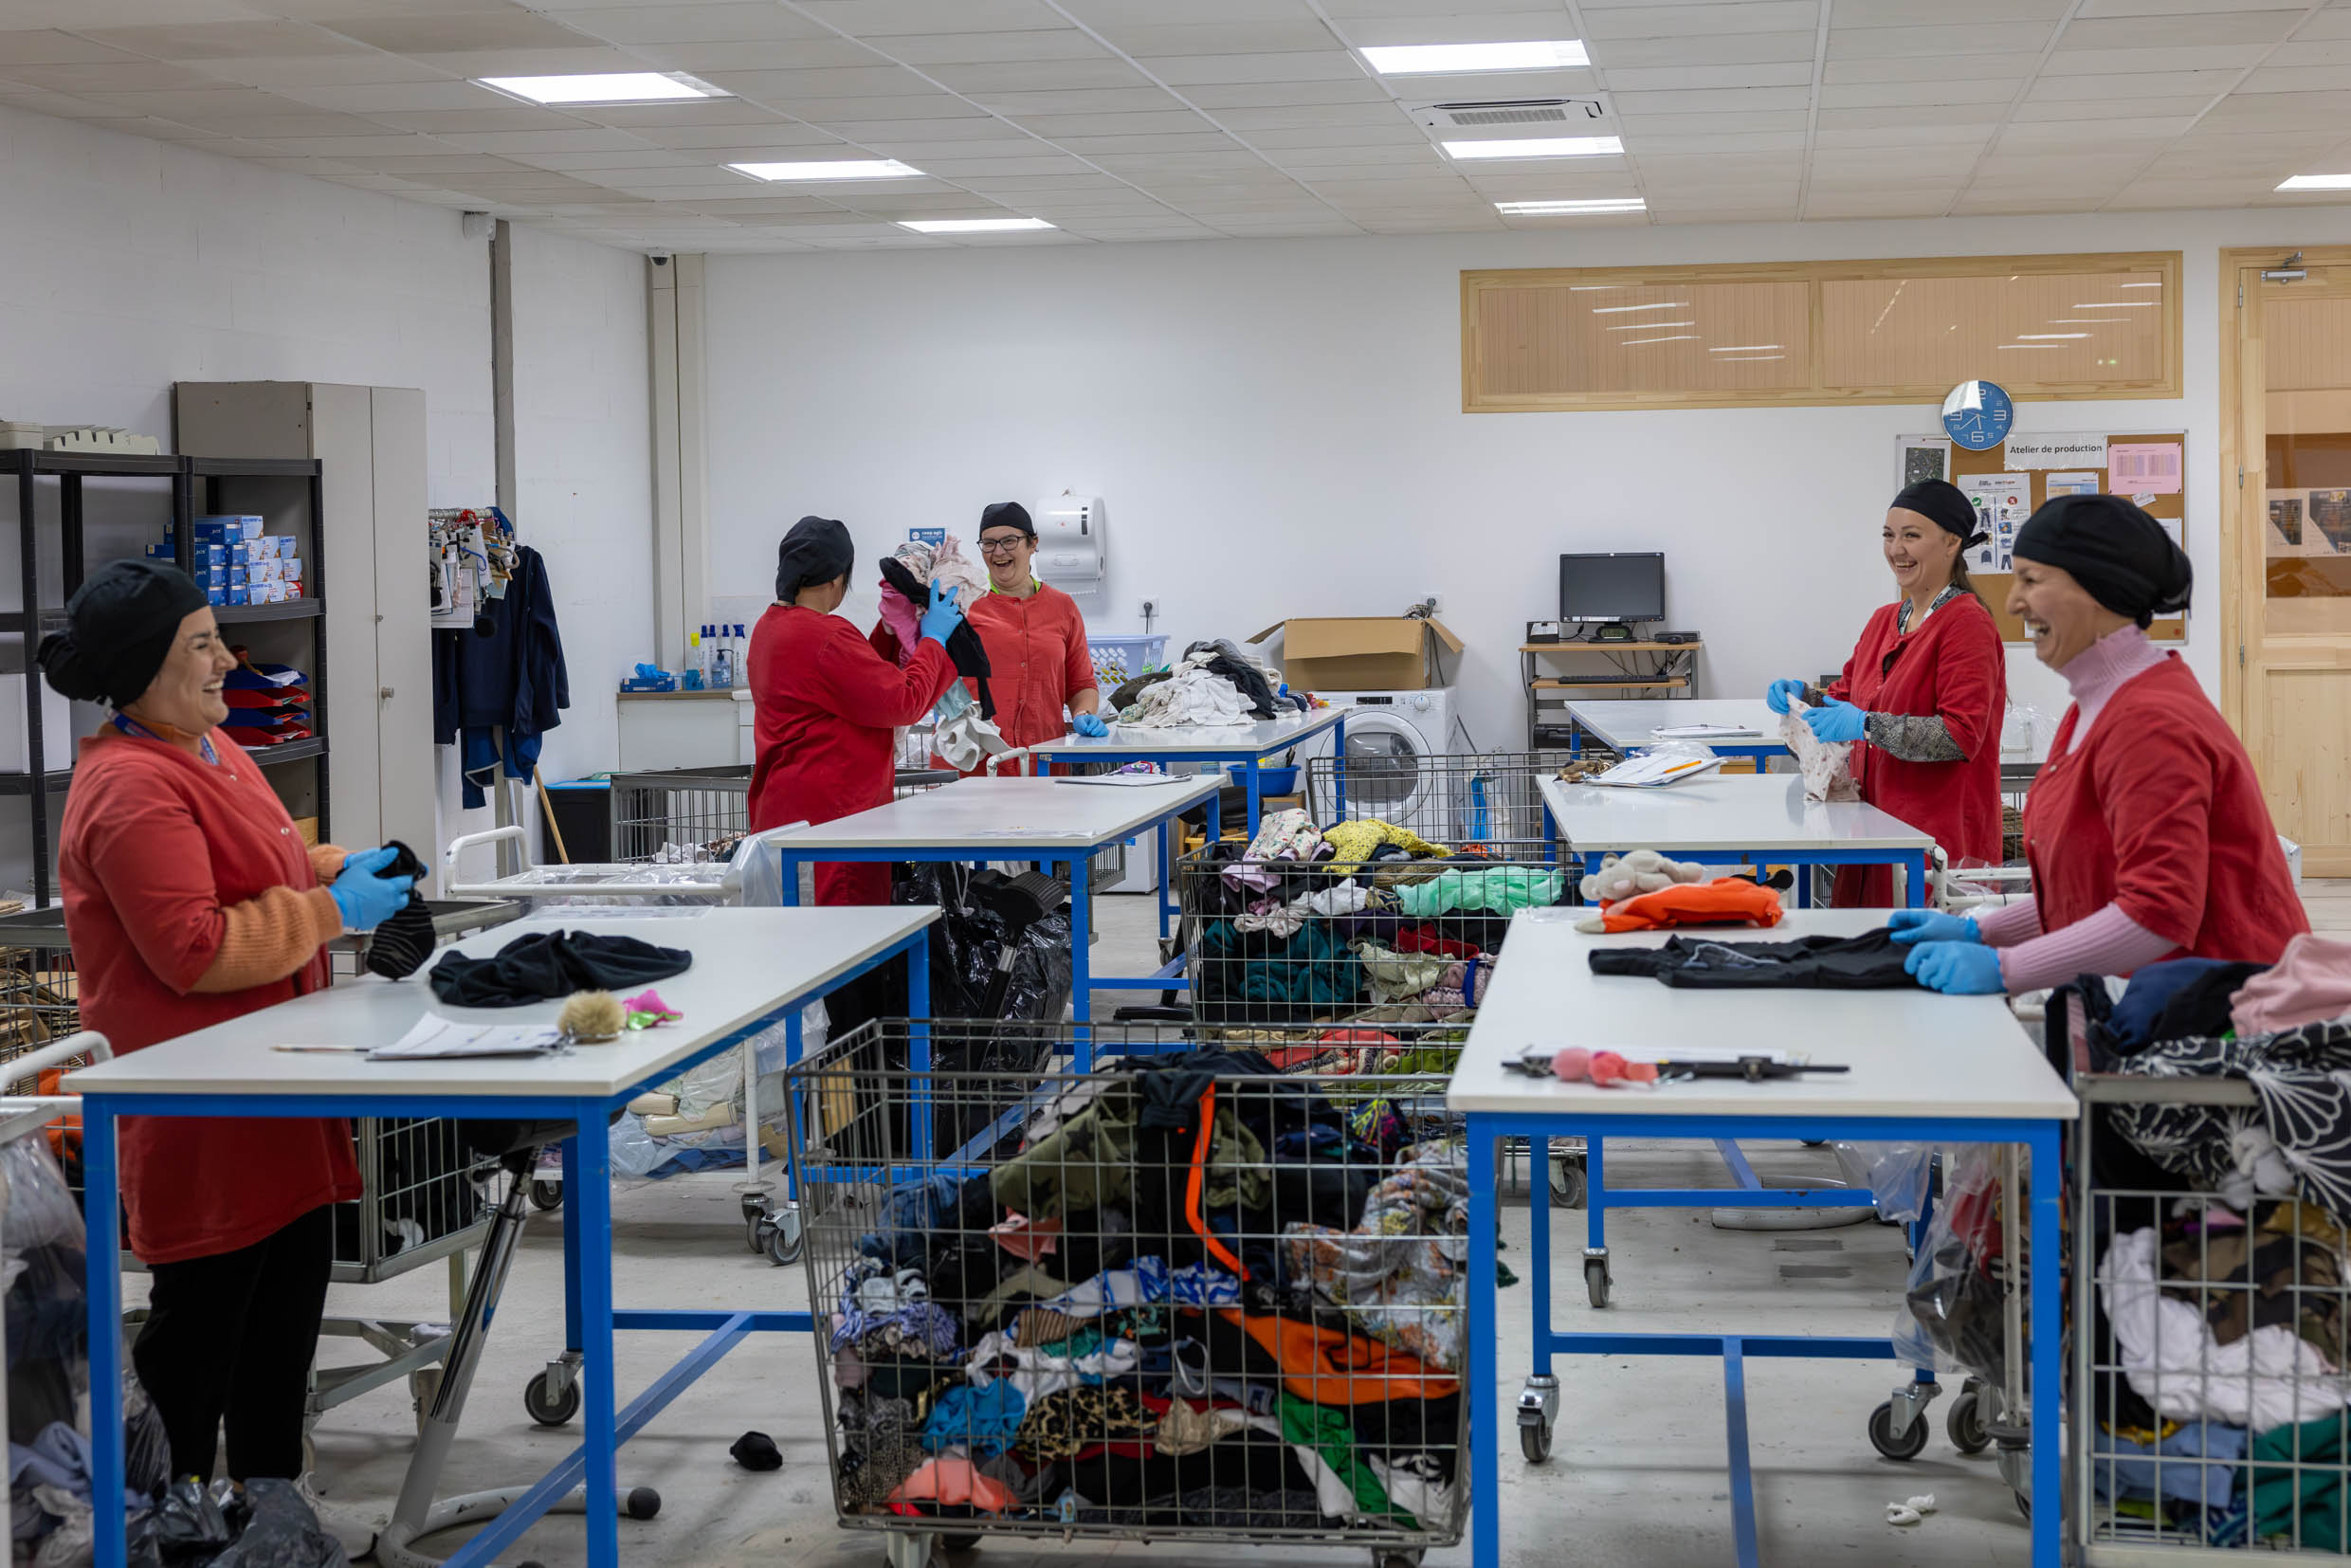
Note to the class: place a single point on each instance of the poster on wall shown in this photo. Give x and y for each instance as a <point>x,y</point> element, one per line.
<point>1920,457</point>
<point>2069,485</point>
<point>2289,529</point>
<point>2148,468</point>
<point>2328,518</point>
<point>2002,502</point>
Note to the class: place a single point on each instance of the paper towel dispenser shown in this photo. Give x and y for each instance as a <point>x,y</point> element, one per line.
<point>1070,549</point>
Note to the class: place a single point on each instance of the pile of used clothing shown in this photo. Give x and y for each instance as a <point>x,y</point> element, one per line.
<point>1362,923</point>
<point>1194,1291</point>
<point>1214,683</point>
<point>2220,1234</point>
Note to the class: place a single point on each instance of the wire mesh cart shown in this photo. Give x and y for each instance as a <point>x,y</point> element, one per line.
<point>1921,1068</point>
<point>2209,1392</point>
<point>1180,1297</point>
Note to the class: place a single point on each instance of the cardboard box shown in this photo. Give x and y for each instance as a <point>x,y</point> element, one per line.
<point>1360,653</point>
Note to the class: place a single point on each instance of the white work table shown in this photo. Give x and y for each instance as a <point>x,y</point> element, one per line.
<point>1924,1067</point>
<point>1625,726</point>
<point>1761,816</point>
<point>752,969</point>
<point>1247,747</point>
<point>1062,822</point>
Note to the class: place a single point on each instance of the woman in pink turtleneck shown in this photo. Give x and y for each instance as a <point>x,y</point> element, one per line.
<point>2146,831</point>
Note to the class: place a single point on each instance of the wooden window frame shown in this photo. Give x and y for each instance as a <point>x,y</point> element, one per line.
<point>1474,283</point>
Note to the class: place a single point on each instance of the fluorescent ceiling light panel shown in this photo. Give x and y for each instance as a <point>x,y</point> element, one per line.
<point>1571,209</point>
<point>1423,59</point>
<point>1539,147</point>
<point>972,225</point>
<point>1618,310</point>
<point>835,169</point>
<point>1677,338</point>
<point>603,87</point>
<point>2318,182</point>
<point>1744,348</point>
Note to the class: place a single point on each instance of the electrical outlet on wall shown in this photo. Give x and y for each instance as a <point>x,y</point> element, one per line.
<point>1436,605</point>
<point>1150,608</point>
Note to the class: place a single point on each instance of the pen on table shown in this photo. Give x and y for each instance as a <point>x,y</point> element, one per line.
<point>337,1050</point>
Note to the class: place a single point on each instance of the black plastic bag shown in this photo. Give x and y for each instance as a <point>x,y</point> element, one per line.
<point>190,1529</point>
<point>967,943</point>
<point>281,1532</point>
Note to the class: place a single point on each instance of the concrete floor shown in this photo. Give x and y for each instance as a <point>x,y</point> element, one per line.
<point>1637,1475</point>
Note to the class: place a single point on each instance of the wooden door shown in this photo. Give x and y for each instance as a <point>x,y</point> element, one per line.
<point>2289,550</point>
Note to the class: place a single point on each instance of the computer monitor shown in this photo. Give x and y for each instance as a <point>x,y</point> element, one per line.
<point>1614,588</point>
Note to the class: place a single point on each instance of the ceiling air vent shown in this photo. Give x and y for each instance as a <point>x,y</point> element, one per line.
<point>1525,110</point>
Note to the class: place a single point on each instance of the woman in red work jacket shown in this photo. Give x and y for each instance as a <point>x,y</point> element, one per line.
<point>827,704</point>
<point>2146,830</point>
<point>190,901</point>
<point>1037,659</point>
<point>1925,692</point>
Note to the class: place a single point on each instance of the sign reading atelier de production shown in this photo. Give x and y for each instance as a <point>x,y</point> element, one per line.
<point>2062,449</point>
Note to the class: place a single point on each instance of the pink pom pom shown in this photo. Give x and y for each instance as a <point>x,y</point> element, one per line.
<point>1640,1072</point>
<point>1607,1069</point>
<point>1571,1064</point>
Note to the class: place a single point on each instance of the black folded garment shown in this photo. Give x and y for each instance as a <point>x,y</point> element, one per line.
<point>963,644</point>
<point>1871,961</point>
<point>549,965</point>
<point>398,947</point>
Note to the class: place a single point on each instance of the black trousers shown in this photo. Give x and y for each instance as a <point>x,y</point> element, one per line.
<point>232,1337</point>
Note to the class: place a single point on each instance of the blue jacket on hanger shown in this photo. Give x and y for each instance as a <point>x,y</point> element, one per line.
<point>507,673</point>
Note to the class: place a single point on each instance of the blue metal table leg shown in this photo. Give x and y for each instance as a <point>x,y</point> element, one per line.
<point>591,1200</point>
<point>919,1042</point>
<point>1485,1415</point>
<point>1539,1248</point>
<point>1167,880</point>
<point>1081,965</point>
<point>1596,1198</point>
<point>1250,785</point>
<point>1338,770</point>
<point>1803,884</point>
<point>1742,1478</point>
<point>574,1327</point>
<point>2044,1334</point>
<point>1914,867</point>
<point>103,1266</point>
<point>790,879</point>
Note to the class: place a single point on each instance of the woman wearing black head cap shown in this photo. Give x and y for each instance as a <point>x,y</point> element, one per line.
<point>826,703</point>
<point>2146,831</point>
<point>191,900</point>
<point>1924,693</point>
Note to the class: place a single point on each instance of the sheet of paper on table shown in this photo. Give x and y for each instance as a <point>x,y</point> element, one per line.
<point>436,1039</point>
<point>1704,732</point>
<point>1650,773</point>
<point>1128,781</point>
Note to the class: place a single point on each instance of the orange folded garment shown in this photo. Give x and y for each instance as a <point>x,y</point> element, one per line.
<point>1730,900</point>
<point>950,1482</point>
<point>1326,1367</point>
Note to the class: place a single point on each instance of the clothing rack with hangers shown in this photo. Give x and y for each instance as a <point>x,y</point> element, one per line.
<point>473,560</point>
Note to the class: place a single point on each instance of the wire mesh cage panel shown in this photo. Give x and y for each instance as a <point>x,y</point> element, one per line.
<point>2210,1411</point>
<point>40,998</point>
<point>1471,799</point>
<point>681,815</point>
<point>1187,1296</point>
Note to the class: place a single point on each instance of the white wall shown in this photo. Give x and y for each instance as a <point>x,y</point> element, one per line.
<point>131,264</point>
<point>1276,430</point>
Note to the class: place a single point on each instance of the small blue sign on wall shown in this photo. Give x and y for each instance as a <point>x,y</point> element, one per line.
<point>1978,415</point>
<point>926,536</point>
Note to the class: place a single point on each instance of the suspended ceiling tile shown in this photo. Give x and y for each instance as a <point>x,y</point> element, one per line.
<point>735,143</point>
<point>1924,96</point>
<point>448,162</point>
<point>1278,95</point>
<point>1496,22</point>
<point>2176,8</point>
<point>683,114</point>
<point>1891,13</point>
<point>344,146</point>
<point>1024,76</point>
<point>843,82</point>
<point>2130,85</point>
<point>2279,111</point>
<point>774,54</point>
<point>589,58</point>
<point>1737,48</point>
<point>1953,114</point>
<point>1666,144</point>
<point>1651,21</point>
<point>371,66</point>
<point>1398,132</point>
<point>449,33</point>
<point>1791,73</point>
<point>1196,38</point>
<point>2305,51</point>
<point>215,100</point>
<point>1230,70</point>
<point>1727,124</point>
<point>2295,79</point>
<point>127,13</point>
<point>1336,156</point>
<point>1293,117</point>
<point>960,168</point>
<point>277,128</point>
<point>882,134</point>
<point>116,75</point>
<point>977,47</point>
<point>1896,43</point>
<point>868,18</point>
<point>2219,24</point>
<point>377,96</point>
<point>225,41</point>
<point>1054,126</point>
<point>49,46</point>
<point>596,140</point>
<point>2228,57</point>
<point>1102,100</point>
<point>742,21</point>
<point>1966,67</point>
<point>1904,136</point>
<point>2187,105</point>
<point>1204,142</point>
<point>2092,134</point>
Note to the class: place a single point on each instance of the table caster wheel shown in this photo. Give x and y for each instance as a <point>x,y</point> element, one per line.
<point>1535,1441</point>
<point>1596,1279</point>
<point>547,1408</point>
<point>1396,1557</point>
<point>907,1550</point>
<point>958,1543</point>
<point>1567,1183</point>
<point>782,1238</point>
<point>546,1195</point>
<point>1909,1445</point>
<point>644,1502</point>
<point>1964,1426</point>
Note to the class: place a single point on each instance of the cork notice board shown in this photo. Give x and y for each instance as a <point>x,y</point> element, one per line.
<point>1993,585</point>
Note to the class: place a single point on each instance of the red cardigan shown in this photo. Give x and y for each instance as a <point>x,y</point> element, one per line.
<point>156,843</point>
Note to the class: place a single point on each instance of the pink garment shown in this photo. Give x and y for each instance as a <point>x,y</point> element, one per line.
<point>2107,942</point>
<point>1026,1238</point>
<point>2310,982</point>
<point>903,619</point>
<point>951,1481</point>
<point>2099,670</point>
<point>2008,924</point>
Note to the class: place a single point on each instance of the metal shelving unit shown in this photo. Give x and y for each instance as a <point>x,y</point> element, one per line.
<point>187,480</point>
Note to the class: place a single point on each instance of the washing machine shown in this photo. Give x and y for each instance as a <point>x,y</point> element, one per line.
<point>1395,739</point>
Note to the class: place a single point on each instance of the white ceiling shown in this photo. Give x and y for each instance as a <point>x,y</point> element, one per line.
<point>1162,120</point>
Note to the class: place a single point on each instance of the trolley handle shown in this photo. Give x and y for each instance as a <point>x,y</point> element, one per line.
<point>90,1043</point>
<point>990,766</point>
<point>452,887</point>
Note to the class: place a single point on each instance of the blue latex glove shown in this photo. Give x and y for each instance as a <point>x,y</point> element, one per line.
<point>1835,721</point>
<point>1089,725</point>
<point>944,615</point>
<point>1928,926</point>
<point>1957,968</point>
<point>366,899</point>
<point>1776,695</point>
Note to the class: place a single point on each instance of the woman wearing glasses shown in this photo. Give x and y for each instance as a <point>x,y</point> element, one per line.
<point>1035,638</point>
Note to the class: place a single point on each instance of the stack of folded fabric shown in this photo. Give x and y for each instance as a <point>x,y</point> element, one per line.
<point>269,704</point>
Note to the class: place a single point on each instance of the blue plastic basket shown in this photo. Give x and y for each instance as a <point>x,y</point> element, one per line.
<point>1118,659</point>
